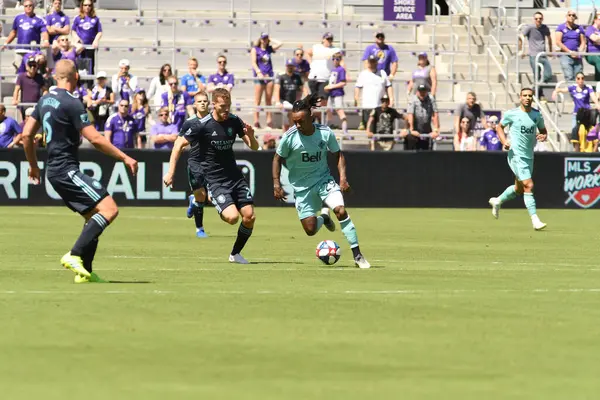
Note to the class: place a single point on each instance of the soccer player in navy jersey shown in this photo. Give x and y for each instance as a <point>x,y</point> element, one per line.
<point>211,142</point>
<point>64,119</point>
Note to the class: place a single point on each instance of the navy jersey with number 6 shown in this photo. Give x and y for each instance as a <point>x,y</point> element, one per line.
<point>211,147</point>
<point>62,117</point>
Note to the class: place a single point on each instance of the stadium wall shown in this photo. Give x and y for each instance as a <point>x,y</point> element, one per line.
<point>378,179</point>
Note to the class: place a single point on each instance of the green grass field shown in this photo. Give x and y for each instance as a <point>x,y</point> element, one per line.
<point>460,306</point>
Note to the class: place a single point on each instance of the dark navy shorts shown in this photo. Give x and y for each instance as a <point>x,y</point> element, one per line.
<point>80,192</point>
<point>195,179</point>
<point>224,195</point>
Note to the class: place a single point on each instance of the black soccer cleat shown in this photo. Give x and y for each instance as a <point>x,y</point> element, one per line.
<point>328,222</point>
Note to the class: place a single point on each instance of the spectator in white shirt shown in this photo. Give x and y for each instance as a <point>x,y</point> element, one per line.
<point>160,84</point>
<point>321,64</point>
<point>374,85</point>
<point>123,83</point>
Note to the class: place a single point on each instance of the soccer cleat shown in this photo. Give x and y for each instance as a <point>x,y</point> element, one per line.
<point>537,224</point>
<point>327,221</point>
<point>200,233</point>
<point>238,259</point>
<point>191,206</point>
<point>81,279</point>
<point>75,264</point>
<point>361,262</point>
<point>495,203</point>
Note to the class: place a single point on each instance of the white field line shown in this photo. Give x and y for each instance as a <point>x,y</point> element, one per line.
<point>287,292</point>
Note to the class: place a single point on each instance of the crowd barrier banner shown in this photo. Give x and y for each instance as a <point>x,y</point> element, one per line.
<point>377,179</point>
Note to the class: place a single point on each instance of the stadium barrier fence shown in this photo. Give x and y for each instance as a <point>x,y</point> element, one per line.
<point>378,179</point>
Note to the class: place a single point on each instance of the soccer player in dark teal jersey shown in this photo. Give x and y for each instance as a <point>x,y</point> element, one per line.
<point>211,142</point>
<point>64,119</point>
<point>304,148</point>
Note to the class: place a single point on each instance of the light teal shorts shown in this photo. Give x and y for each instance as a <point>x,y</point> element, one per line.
<point>310,201</point>
<point>521,167</point>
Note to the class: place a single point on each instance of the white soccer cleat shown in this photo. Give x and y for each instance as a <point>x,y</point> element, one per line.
<point>238,259</point>
<point>495,203</point>
<point>537,224</point>
<point>361,262</point>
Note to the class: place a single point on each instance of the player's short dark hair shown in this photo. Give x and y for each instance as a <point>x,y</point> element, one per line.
<point>306,104</point>
<point>525,89</point>
<point>539,13</point>
<point>220,93</point>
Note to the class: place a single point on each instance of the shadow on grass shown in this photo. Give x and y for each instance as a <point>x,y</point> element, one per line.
<point>129,282</point>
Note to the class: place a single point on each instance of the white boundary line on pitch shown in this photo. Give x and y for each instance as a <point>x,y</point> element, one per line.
<point>287,292</point>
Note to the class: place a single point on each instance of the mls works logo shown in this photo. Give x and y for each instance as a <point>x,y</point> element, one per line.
<point>582,181</point>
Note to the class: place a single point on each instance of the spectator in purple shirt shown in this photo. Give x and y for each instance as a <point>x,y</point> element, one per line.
<point>222,79</point>
<point>140,111</point>
<point>87,30</point>
<point>177,102</point>
<point>581,95</point>
<point>57,23</point>
<point>163,134</point>
<point>489,140</point>
<point>571,39</point>
<point>302,67</point>
<point>28,29</point>
<point>120,128</point>
<point>10,131</point>
<point>29,87</point>
<point>62,49</point>
<point>335,88</point>
<point>387,59</point>
<point>592,34</point>
<point>37,55</point>
<point>124,83</point>
<point>262,67</point>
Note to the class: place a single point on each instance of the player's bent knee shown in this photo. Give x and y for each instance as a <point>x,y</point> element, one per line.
<point>108,208</point>
<point>231,219</point>
<point>340,213</point>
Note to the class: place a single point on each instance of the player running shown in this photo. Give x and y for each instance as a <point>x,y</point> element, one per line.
<point>63,119</point>
<point>211,139</point>
<point>524,121</point>
<point>304,149</point>
<point>195,177</point>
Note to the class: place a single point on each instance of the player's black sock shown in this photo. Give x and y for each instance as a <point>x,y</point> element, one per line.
<point>91,231</point>
<point>199,215</point>
<point>243,235</point>
<point>89,254</point>
<point>356,251</point>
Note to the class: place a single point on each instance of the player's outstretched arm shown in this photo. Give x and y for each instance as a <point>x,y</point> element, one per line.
<point>102,144</point>
<point>276,169</point>
<point>341,164</point>
<point>29,130</point>
<point>178,147</point>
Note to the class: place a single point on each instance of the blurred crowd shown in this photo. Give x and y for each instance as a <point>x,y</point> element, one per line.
<point>134,116</point>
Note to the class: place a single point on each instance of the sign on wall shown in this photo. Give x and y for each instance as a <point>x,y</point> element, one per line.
<point>404,10</point>
<point>582,181</point>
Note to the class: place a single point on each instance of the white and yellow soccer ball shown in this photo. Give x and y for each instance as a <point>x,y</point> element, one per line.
<point>328,252</point>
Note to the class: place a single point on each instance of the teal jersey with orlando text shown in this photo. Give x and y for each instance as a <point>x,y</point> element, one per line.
<point>306,156</point>
<point>523,131</point>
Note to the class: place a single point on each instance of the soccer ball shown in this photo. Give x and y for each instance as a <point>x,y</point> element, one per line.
<point>329,252</point>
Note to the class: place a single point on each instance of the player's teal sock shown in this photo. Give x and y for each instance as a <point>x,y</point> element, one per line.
<point>349,230</point>
<point>530,203</point>
<point>320,222</point>
<point>508,194</point>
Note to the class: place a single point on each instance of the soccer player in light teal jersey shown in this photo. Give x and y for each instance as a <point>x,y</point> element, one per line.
<point>304,148</point>
<point>526,128</point>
